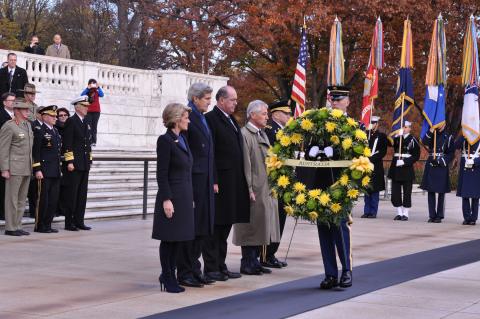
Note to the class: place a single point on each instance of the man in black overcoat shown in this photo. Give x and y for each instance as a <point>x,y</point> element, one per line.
<point>199,139</point>
<point>6,114</point>
<point>77,140</point>
<point>232,201</point>
<point>280,114</point>
<point>12,77</point>
<point>378,143</point>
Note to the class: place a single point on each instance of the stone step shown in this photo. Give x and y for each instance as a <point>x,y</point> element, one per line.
<point>120,187</point>
<point>115,195</point>
<point>102,171</point>
<point>124,178</point>
<point>118,204</point>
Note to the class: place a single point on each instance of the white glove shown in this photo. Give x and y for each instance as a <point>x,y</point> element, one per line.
<point>328,151</point>
<point>400,162</point>
<point>314,151</point>
<point>469,162</point>
<point>400,132</point>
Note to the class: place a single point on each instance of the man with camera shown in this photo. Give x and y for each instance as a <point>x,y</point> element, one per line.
<point>34,47</point>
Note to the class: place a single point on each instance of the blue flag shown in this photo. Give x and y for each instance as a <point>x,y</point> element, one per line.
<point>403,96</point>
<point>433,108</point>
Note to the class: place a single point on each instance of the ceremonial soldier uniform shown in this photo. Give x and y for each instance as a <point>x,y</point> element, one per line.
<point>436,177</point>
<point>46,157</point>
<point>377,142</point>
<point>469,179</point>
<point>77,139</point>
<point>269,260</point>
<point>402,172</point>
<point>32,187</point>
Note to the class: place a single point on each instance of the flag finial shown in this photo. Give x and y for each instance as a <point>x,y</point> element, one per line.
<point>336,18</point>
<point>440,16</point>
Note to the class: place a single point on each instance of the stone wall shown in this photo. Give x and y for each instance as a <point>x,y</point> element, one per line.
<point>134,99</point>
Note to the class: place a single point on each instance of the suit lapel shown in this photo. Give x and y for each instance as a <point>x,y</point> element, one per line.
<point>177,143</point>
<point>197,121</point>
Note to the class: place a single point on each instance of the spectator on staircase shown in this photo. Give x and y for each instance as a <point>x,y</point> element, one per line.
<point>94,92</point>
<point>58,49</point>
<point>34,47</point>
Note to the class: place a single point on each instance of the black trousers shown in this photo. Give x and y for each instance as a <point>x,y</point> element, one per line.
<point>470,209</point>
<point>2,198</point>
<point>168,254</point>
<point>94,117</point>
<point>75,199</point>
<point>32,197</point>
<point>250,257</point>
<point>436,208</point>
<point>188,263</point>
<point>397,198</point>
<point>49,192</point>
<point>282,216</point>
<point>215,249</point>
<point>331,237</point>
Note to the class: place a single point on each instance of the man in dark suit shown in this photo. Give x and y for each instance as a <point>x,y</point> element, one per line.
<point>201,145</point>
<point>6,114</point>
<point>77,140</point>
<point>232,202</point>
<point>46,152</point>
<point>12,77</point>
<point>280,114</point>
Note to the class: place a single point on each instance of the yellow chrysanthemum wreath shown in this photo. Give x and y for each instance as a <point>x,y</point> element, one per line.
<point>350,143</point>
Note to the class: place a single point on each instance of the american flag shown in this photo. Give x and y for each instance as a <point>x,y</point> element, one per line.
<point>300,79</point>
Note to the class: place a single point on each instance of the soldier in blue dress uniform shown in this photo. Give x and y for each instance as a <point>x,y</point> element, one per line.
<point>436,173</point>
<point>401,170</point>
<point>46,154</point>
<point>468,179</point>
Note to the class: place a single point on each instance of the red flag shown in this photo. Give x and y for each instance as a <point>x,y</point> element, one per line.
<point>370,93</point>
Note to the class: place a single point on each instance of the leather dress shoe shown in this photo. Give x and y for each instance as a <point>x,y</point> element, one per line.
<point>12,233</point>
<point>204,279</point>
<point>84,227</point>
<point>437,220</point>
<point>271,262</point>
<point>364,216</point>
<point>190,282</point>
<point>398,217</point>
<point>23,233</point>
<point>231,274</point>
<point>404,218</point>
<point>346,279</point>
<point>472,223</point>
<point>71,228</point>
<point>465,222</point>
<point>329,282</point>
<point>430,220</point>
<point>264,270</point>
<point>53,230</point>
<point>372,216</point>
<point>250,271</point>
<point>216,275</point>
<point>45,231</point>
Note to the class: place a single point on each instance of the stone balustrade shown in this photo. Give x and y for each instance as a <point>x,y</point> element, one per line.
<point>134,99</point>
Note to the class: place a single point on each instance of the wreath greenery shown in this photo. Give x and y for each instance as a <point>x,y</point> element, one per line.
<point>350,142</point>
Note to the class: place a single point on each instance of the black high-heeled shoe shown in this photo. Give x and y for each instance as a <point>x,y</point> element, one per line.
<point>168,284</point>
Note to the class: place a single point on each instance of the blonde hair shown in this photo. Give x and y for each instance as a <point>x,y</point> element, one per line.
<point>172,113</point>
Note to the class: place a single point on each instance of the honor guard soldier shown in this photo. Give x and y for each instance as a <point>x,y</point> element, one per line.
<point>402,174</point>
<point>77,139</point>
<point>46,154</point>
<point>333,235</point>
<point>280,114</point>
<point>377,142</point>
<point>436,179</point>
<point>469,179</point>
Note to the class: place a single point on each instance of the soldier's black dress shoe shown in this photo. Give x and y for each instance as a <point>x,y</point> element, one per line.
<point>231,274</point>
<point>264,270</point>
<point>404,218</point>
<point>271,262</point>
<point>45,231</point>
<point>190,282</point>
<point>204,279</point>
<point>12,233</point>
<point>398,217</point>
<point>437,220</point>
<point>364,216</point>
<point>430,220</point>
<point>329,282</point>
<point>346,279</point>
<point>216,275</point>
<point>71,228</point>
<point>250,271</point>
<point>53,230</point>
<point>465,222</point>
<point>84,227</point>
<point>472,223</point>
<point>284,264</point>
<point>23,233</point>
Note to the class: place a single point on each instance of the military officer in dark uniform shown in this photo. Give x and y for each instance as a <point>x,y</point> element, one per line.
<point>469,179</point>
<point>77,140</point>
<point>332,236</point>
<point>436,177</point>
<point>280,114</point>
<point>46,152</point>
<point>407,152</point>
<point>377,142</point>
<point>32,188</point>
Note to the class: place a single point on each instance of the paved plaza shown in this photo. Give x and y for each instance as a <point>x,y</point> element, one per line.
<point>112,271</point>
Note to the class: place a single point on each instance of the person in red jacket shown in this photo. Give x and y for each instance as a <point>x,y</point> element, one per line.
<point>94,93</point>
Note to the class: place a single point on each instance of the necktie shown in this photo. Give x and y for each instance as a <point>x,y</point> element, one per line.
<point>204,122</point>
<point>10,80</point>
<point>233,124</point>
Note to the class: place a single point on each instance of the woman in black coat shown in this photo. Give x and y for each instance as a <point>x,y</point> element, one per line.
<point>173,220</point>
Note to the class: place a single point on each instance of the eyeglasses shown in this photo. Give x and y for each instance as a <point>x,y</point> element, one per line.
<point>9,100</point>
<point>62,115</point>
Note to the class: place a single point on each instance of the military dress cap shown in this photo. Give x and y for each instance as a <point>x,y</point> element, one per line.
<point>29,88</point>
<point>281,105</point>
<point>338,92</point>
<point>20,105</point>
<point>375,119</point>
<point>48,110</point>
<point>82,100</point>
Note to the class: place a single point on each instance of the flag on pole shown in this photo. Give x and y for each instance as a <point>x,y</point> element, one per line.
<point>404,96</point>
<point>470,79</point>
<point>336,62</point>
<point>299,88</point>
<point>436,79</point>
<point>375,63</point>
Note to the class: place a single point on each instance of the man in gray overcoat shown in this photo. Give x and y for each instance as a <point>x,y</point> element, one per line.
<point>264,227</point>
